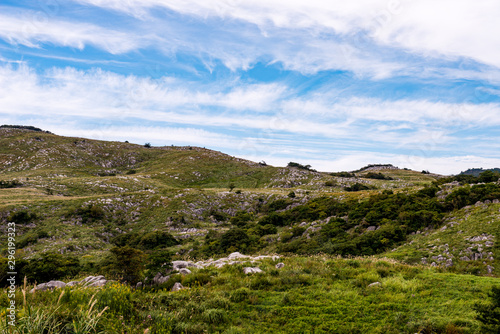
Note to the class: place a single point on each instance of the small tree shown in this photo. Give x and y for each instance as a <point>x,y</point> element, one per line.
<point>126,263</point>
<point>158,262</point>
<point>231,186</point>
<point>147,145</point>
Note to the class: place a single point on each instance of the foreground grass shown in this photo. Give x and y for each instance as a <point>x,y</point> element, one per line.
<point>309,295</point>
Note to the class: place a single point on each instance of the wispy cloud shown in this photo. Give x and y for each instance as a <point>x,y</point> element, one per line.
<point>452,28</point>
<point>24,27</point>
<point>227,115</point>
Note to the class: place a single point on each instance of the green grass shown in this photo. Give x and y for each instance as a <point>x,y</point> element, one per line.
<point>315,294</point>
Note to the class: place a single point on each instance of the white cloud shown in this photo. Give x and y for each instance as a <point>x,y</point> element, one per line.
<point>267,119</point>
<point>456,28</point>
<point>28,29</point>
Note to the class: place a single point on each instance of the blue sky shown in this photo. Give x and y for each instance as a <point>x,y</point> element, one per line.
<point>336,85</point>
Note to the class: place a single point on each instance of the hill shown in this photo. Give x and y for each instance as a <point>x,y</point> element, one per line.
<point>78,204</point>
<point>477,171</point>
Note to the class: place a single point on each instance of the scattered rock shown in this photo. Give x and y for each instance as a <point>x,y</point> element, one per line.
<point>237,255</point>
<point>139,285</point>
<point>490,269</point>
<point>375,284</point>
<point>184,271</point>
<point>177,286</point>
<point>280,265</point>
<point>251,270</point>
<point>176,265</point>
<point>49,286</point>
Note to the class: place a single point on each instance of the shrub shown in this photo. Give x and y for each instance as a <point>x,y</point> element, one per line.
<point>377,176</point>
<point>51,266</point>
<point>240,295</point>
<point>22,217</point>
<point>10,184</point>
<point>489,314</point>
<point>357,187</point>
<point>158,261</point>
<point>215,317</point>
<point>125,263</point>
<point>236,238</point>
<point>157,239</point>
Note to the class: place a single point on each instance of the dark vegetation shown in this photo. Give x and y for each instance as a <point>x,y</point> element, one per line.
<point>489,313</point>
<point>23,127</point>
<point>10,184</point>
<point>300,166</point>
<point>343,174</point>
<point>377,176</point>
<point>477,171</point>
<point>484,177</point>
<point>392,216</point>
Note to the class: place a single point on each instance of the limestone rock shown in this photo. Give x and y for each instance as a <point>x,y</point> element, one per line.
<point>251,270</point>
<point>177,286</point>
<point>49,286</point>
<point>280,265</point>
<point>374,284</point>
<point>184,271</point>
<point>237,255</point>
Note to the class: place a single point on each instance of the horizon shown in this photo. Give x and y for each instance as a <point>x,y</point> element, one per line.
<point>36,129</point>
<point>333,85</point>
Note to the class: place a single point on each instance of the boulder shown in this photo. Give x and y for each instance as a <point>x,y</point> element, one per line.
<point>72,283</point>
<point>160,279</point>
<point>280,265</point>
<point>49,286</point>
<point>251,270</point>
<point>176,265</point>
<point>237,255</point>
<point>177,286</point>
<point>184,271</point>
<point>374,284</point>
<point>100,282</point>
<point>139,285</point>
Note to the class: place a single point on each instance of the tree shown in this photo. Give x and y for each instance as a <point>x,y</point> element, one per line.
<point>147,145</point>
<point>126,263</point>
<point>158,262</point>
<point>488,176</point>
<point>231,186</point>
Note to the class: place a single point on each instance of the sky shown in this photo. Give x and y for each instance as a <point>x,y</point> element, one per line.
<point>333,84</point>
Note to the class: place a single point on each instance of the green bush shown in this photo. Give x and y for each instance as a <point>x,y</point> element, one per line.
<point>125,263</point>
<point>489,313</point>
<point>50,266</point>
<point>22,217</point>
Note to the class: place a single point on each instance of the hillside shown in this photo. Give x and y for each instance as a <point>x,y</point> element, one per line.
<point>78,202</point>
<point>477,171</point>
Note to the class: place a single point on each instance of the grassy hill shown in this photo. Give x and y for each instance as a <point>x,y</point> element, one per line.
<point>425,238</point>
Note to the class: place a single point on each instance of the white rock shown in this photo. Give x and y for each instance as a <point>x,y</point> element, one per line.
<point>237,255</point>
<point>280,265</point>
<point>374,284</point>
<point>177,286</point>
<point>184,271</point>
<point>251,270</point>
